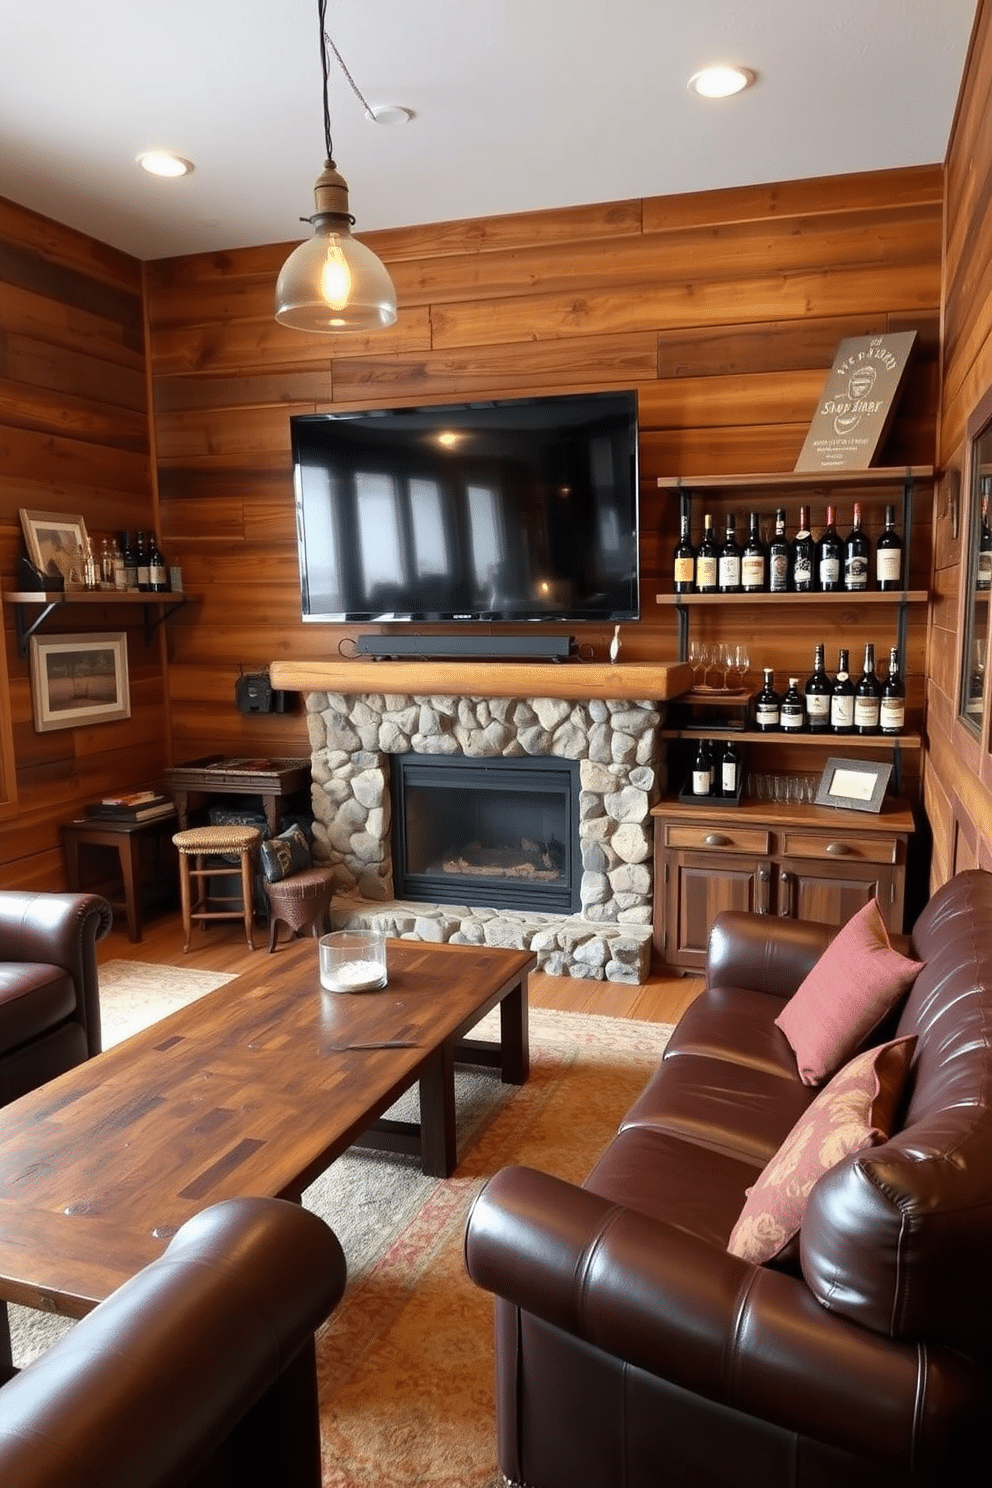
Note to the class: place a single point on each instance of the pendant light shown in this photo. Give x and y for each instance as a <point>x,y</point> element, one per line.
<point>333,283</point>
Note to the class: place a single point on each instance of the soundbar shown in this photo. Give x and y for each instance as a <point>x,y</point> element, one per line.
<point>465,647</point>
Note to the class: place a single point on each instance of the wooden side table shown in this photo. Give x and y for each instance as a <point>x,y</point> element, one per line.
<point>124,838</point>
<point>275,780</point>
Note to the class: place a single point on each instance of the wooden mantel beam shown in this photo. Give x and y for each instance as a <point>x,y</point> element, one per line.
<point>578,680</point>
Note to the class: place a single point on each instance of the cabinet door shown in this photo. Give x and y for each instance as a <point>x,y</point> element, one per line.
<point>833,892</point>
<point>698,887</point>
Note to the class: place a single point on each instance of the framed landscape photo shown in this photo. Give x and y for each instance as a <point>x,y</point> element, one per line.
<point>56,545</point>
<point>858,785</point>
<point>79,679</point>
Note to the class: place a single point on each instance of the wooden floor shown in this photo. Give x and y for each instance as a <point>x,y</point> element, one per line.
<point>222,947</point>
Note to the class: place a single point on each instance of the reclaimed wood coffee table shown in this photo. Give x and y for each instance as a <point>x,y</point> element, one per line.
<point>254,1089</point>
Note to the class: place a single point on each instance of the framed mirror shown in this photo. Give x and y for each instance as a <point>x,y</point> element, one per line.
<point>974,685</point>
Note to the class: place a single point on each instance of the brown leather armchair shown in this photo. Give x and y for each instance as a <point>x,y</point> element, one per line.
<point>198,1371</point>
<point>49,991</point>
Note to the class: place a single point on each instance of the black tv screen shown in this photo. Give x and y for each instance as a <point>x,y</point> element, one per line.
<point>502,511</point>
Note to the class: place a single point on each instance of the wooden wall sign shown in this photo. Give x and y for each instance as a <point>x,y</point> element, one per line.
<point>857,402</point>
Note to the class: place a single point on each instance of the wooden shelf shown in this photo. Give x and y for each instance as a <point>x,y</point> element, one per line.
<point>49,600</point>
<point>846,596</point>
<point>633,680</point>
<point>837,743</point>
<point>796,479</point>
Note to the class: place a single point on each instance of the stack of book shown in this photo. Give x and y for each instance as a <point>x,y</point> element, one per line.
<point>134,806</point>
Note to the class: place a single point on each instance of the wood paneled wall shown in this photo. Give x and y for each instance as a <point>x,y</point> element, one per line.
<point>958,781</point>
<point>74,437</point>
<point>723,309</point>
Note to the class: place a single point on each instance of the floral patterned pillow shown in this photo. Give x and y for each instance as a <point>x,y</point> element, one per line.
<point>856,1110</point>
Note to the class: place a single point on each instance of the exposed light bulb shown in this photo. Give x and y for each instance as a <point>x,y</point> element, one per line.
<point>335,278</point>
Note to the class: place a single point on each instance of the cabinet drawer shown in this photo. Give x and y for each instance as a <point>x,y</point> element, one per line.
<point>839,847</point>
<point>714,838</point>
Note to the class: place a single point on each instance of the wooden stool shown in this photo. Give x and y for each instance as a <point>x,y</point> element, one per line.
<point>199,842</point>
<point>301,902</point>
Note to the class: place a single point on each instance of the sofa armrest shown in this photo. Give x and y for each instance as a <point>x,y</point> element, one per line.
<point>159,1377</point>
<point>743,1336</point>
<point>59,930</point>
<point>762,952</point>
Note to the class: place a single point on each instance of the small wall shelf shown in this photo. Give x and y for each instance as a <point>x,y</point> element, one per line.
<point>47,601</point>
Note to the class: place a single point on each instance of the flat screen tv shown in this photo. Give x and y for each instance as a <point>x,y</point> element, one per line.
<point>502,511</point>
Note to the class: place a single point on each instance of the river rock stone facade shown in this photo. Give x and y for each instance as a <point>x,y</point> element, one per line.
<point>618,749</point>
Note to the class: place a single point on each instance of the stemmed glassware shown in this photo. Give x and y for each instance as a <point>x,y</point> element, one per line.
<point>699,660</point>
<point>738,661</point>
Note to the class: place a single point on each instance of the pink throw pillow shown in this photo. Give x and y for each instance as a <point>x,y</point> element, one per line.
<point>856,1110</point>
<point>856,981</point>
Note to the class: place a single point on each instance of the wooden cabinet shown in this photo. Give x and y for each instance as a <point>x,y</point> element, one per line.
<point>805,862</point>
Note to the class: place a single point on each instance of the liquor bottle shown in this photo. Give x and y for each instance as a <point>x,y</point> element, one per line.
<point>130,562</point>
<point>792,714</point>
<point>857,555</point>
<point>706,559</point>
<point>842,698</point>
<point>91,567</point>
<point>685,561</point>
<point>867,696</point>
<point>754,563</point>
<point>829,557</point>
<point>730,770</point>
<point>888,554</point>
<point>818,691</point>
<point>983,568</point>
<point>778,557</point>
<point>767,705</point>
<point>158,575</point>
<point>120,577</point>
<point>702,771</point>
<point>729,568</point>
<point>141,544</point>
<point>892,710</point>
<point>803,554</point>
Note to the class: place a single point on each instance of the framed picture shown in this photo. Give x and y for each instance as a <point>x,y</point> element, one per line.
<point>56,545</point>
<point>79,679</point>
<point>859,785</point>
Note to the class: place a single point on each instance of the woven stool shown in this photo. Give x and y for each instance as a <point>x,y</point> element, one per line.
<point>301,902</point>
<point>198,843</point>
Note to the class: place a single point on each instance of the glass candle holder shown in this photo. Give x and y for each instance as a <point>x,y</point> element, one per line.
<point>353,960</point>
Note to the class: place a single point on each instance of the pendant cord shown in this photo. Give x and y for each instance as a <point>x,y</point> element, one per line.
<point>325,42</point>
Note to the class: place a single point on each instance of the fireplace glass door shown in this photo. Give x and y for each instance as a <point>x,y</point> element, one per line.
<point>501,834</point>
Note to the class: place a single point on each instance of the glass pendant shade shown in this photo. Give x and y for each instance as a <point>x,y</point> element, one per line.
<point>333,282</point>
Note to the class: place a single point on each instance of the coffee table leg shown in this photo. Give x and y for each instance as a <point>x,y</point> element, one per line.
<point>438,1138</point>
<point>514,1036</point>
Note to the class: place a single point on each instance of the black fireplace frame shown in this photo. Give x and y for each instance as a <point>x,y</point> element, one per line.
<point>522,774</point>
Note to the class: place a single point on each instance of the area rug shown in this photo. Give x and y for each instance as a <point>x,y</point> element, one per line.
<point>406,1360</point>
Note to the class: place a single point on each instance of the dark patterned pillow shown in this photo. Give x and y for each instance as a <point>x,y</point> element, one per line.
<point>286,854</point>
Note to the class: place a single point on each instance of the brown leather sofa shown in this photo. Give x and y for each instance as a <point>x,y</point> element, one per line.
<point>198,1373</point>
<point>49,991</point>
<point>632,1348</point>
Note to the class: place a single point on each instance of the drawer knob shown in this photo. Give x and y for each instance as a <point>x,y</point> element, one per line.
<point>838,849</point>
<point>716,839</point>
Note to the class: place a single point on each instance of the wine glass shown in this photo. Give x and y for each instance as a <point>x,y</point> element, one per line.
<point>738,662</point>
<point>699,660</point>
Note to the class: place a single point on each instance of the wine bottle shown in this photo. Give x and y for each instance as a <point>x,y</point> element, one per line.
<point>130,562</point>
<point>867,696</point>
<point>829,557</point>
<point>892,710</point>
<point>729,568</point>
<point>685,561</point>
<point>120,575</point>
<point>702,771</point>
<point>857,555</point>
<point>888,554</point>
<point>803,555</point>
<point>792,715</point>
<point>142,562</point>
<point>754,563</point>
<point>778,557</point>
<point>767,705</point>
<point>842,697</point>
<point>983,568</point>
<point>818,691</point>
<point>730,770</point>
<point>706,560</point>
<point>158,577</point>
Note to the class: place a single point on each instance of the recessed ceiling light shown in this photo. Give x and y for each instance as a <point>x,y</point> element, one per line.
<point>163,163</point>
<point>721,82</point>
<point>388,113</point>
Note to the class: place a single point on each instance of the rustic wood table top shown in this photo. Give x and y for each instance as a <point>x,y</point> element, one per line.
<point>254,1089</point>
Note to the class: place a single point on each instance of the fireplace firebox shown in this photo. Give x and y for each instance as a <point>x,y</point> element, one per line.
<point>500,833</point>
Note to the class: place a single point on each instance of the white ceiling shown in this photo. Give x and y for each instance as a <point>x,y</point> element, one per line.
<point>518,104</point>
